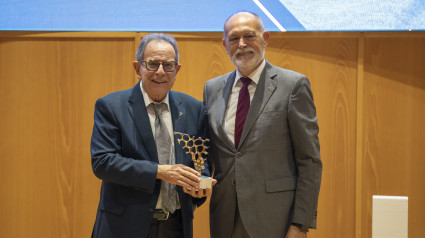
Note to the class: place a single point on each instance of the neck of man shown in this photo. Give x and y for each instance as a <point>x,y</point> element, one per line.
<point>246,71</point>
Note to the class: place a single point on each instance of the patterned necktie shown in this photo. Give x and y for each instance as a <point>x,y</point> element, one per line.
<point>163,146</point>
<point>242,111</point>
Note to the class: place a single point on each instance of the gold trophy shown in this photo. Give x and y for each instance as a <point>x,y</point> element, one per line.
<point>197,148</point>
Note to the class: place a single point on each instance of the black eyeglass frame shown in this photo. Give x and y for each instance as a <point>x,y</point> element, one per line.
<point>160,63</point>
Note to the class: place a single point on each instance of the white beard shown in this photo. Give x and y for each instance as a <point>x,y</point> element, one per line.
<point>249,60</point>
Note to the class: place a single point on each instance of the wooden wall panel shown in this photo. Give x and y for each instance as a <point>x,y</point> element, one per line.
<point>48,88</point>
<point>331,65</point>
<point>394,129</point>
<point>201,59</point>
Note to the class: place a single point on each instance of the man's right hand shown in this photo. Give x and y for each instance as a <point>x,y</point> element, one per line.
<point>179,174</point>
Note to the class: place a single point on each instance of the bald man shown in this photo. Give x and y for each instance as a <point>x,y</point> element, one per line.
<point>264,141</point>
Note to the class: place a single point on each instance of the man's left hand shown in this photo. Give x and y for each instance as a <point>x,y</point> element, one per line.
<point>200,192</point>
<point>295,232</point>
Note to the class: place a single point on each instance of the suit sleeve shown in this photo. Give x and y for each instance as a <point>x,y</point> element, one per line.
<point>210,169</point>
<point>304,135</point>
<point>107,161</point>
<point>202,129</point>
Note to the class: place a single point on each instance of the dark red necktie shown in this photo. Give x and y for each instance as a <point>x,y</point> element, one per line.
<point>242,111</point>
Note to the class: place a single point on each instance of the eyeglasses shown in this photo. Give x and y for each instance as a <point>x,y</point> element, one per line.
<point>153,65</point>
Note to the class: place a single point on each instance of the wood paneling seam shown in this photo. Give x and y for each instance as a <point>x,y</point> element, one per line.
<point>359,137</point>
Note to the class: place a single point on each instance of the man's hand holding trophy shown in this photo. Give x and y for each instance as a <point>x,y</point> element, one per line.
<point>197,148</point>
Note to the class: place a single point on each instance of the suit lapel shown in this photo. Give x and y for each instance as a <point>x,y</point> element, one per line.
<point>265,88</point>
<point>177,116</point>
<point>137,109</point>
<point>223,98</point>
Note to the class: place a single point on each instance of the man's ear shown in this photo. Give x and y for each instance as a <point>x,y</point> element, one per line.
<point>266,37</point>
<point>178,68</point>
<point>223,41</point>
<point>136,65</point>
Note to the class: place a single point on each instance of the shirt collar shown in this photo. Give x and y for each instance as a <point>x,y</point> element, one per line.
<point>255,75</point>
<point>148,100</point>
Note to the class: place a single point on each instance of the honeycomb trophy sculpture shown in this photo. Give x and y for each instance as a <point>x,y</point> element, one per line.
<point>197,148</point>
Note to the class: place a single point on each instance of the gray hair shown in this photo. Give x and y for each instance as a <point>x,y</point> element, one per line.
<point>260,22</point>
<point>156,37</point>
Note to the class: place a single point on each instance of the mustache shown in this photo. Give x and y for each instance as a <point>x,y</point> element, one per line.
<point>243,51</point>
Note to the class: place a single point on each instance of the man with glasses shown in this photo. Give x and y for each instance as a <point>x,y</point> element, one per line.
<point>264,141</point>
<point>149,188</point>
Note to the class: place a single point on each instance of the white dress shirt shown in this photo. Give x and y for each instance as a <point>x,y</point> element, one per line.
<point>166,116</point>
<point>230,117</point>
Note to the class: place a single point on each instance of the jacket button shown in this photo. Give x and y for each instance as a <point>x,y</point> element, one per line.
<point>238,154</point>
<point>234,182</point>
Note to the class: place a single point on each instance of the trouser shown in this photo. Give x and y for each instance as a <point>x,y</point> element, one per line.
<point>238,228</point>
<point>170,228</point>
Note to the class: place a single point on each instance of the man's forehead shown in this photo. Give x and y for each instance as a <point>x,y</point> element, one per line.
<point>242,30</point>
<point>159,48</point>
<point>158,42</point>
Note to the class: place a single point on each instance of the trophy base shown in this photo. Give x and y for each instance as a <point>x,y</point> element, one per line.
<point>206,182</point>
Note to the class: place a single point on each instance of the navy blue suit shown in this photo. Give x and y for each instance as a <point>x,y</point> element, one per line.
<point>124,156</point>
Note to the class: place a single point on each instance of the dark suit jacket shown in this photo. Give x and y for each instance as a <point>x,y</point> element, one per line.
<point>274,175</point>
<point>124,156</point>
